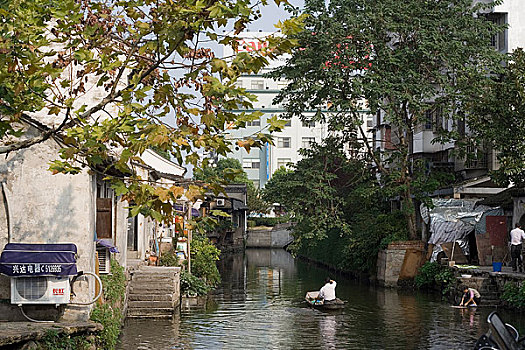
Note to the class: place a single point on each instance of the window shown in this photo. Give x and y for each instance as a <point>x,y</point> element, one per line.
<point>282,85</point>
<point>307,142</point>
<point>288,123</point>
<point>283,162</point>
<point>284,142</point>
<point>433,119</point>
<point>256,122</point>
<point>308,124</point>
<point>427,125</point>
<point>251,163</point>
<point>497,41</point>
<point>238,84</point>
<point>476,158</point>
<point>257,85</point>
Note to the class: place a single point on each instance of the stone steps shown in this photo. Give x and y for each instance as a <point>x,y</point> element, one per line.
<point>152,289</point>
<point>151,297</point>
<point>152,304</point>
<point>150,313</point>
<point>153,292</point>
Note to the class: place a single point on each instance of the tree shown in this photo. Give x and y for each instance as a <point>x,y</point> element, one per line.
<point>315,192</point>
<point>338,213</point>
<point>227,170</point>
<point>403,60</point>
<point>109,79</point>
<point>277,189</point>
<point>499,121</point>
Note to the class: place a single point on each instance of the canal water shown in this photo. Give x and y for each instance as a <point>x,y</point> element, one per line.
<point>259,305</point>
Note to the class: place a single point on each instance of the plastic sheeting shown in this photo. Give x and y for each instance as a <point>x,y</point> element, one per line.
<point>453,219</point>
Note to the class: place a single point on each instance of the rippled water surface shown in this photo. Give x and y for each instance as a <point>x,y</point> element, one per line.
<point>260,306</point>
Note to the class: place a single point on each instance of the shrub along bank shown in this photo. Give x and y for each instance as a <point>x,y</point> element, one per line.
<point>432,276</point>
<point>339,211</point>
<point>109,313</point>
<point>513,295</point>
<point>205,275</point>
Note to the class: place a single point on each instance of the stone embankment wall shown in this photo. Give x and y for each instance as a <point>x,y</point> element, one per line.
<point>489,284</point>
<point>400,261</point>
<point>278,236</point>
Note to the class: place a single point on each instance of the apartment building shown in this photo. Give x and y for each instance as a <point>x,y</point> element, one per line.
<point>474,169</point>
<point>260,164</point>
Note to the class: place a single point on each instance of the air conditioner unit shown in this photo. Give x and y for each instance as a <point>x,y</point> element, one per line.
<point>40,290</point>
<point>103,255</point>
<point>220,202</point>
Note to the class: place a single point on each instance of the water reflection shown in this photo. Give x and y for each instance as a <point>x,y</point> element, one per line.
<point>327,328</point>
<point>260,306</point>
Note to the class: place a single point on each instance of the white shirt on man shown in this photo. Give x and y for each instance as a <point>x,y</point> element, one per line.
<point>327,292</point>
<point>516,236</point>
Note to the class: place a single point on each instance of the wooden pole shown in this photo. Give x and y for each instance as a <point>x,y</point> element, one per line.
<point>188,218</point>
<point>97,272</point>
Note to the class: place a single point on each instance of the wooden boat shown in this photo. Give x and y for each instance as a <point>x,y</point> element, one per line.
<point>312,300</point>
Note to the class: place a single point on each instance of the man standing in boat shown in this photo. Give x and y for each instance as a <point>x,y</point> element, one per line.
<point>327,292</point>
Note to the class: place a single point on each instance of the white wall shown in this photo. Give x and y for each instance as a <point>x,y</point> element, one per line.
<point>46,208</point>
<point>515,10</point>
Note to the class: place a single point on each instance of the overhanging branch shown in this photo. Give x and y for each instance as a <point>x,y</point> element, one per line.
<point>33,141</point>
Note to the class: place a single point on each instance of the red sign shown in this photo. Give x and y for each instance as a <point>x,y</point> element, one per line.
<point>58,291</point>
<point>251,45</point>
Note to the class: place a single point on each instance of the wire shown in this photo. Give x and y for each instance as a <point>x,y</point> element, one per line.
<point>99,290</point>
<point>32,319</point>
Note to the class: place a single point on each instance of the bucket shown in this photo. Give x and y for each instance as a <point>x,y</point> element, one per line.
<point>496,266</point>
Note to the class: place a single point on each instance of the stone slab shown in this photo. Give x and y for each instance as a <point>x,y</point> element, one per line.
<point>17,332</point>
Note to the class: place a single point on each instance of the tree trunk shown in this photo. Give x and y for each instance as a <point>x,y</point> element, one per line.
<point>406,196</point>
<point>410,215</point>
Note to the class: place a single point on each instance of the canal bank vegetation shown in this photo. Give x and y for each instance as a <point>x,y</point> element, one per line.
<point>433,276</point>
<point>109,312</point>
<point>513,295</point>
<point>55,341</point>
<point>339,213</point>
<point>204,257</point>
<point>204,273</point>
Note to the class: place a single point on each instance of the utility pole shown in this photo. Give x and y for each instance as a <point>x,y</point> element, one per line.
<point>188,218</point>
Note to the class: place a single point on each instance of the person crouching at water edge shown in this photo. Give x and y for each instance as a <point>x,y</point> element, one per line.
<point>471,295</point>
<point>327,292</point>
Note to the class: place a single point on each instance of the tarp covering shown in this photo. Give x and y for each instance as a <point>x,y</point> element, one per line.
<point>453,219</point>
<point>105,243</point>
<point>24,259</point>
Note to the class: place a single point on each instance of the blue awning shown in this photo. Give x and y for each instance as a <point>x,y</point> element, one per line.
<point>194,212</point>
<point>25,260</point>
<point>105,243</point>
